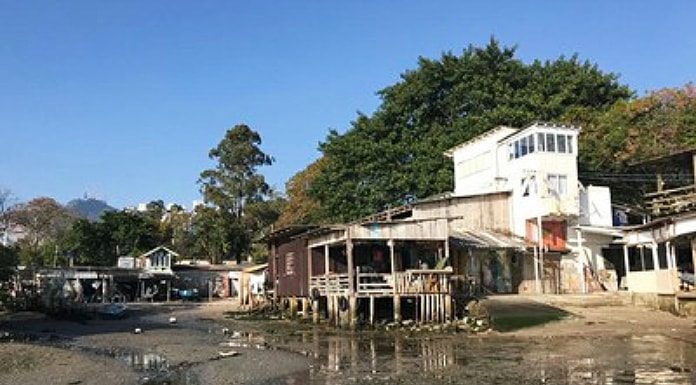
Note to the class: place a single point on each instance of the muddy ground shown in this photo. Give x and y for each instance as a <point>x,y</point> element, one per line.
<point>551,340</point>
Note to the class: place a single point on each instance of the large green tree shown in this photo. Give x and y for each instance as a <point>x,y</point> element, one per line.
<point>397,153</point>
<point>236,192</point>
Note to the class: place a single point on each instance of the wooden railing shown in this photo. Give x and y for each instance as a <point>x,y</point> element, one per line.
<point>671,201</point>
<point>374,283</point>
<point>332,284</point>
<point>423,281</point>
<point>402,282</point>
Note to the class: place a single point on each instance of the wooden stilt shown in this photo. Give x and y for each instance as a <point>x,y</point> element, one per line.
<point>329,309</point>
<point>422,308</point>
<point>293,307</point>
<point>315,310</point>
<point>305,308</point>
<point>372,310</point>
<point>427,308</point>
<point>397,308</point>
<point>448,308</point>
<point>353,311</point>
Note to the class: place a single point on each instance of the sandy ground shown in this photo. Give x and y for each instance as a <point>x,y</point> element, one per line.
<point>564,340</point>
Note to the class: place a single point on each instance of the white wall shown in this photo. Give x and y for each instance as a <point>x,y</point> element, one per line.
<point>483,154</point>
<point>595,206</point>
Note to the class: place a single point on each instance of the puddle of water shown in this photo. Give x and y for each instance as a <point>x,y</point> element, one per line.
<point>344,359</point>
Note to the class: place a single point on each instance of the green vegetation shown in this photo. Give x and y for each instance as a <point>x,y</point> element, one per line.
<point>396,154</point>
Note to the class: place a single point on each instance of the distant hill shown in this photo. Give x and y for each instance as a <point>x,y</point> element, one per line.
<point>89,208</point>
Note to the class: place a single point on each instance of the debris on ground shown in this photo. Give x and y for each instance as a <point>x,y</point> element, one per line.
<point>230,353</point>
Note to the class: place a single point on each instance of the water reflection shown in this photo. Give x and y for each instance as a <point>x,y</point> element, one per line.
<point>342,359</point>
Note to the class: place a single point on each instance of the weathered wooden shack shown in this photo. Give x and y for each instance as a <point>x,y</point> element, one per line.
<point>412,261</point>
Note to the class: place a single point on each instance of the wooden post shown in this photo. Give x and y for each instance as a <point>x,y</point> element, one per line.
<point>540,226</point>
<point>422,308</point>
<point>293,307</point>
<point>693,252</point>
<point>337,311</point>
<point>315,310</point>
<point>326,259</point>
<point>427,308</point>
<point>169,289</point>
<point>397,308</point>
<point>448,307</point>
<point>372,310</point>
<point>104,291</point>
<point>305,308</point>
<point>353,311</point>
<point>274,259</point>
<point>351,265</point>
<point>309,264</point>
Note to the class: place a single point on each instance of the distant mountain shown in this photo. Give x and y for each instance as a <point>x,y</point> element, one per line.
<point>89,208</point>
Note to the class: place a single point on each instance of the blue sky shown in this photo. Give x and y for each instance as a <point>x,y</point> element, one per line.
<point>123,99</point>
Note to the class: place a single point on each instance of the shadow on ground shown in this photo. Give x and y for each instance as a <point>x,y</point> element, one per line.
<point>509,314</point>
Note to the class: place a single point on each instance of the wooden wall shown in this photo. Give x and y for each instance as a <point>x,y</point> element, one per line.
<point>288,266</point>
<point>491,211</point>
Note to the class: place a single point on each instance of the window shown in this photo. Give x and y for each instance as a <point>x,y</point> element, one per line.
<point>523,147</point>
<point>540,141</point>
<point>561,143</point>
<point>550,143</point>
<point>528,186</point>
<point>557,184</point>
<point>570,143</point>
<point>562,185</point>
<point>517,149</point>
<point>530,143</point>
<point>290,263</point>
<point>525,187</point>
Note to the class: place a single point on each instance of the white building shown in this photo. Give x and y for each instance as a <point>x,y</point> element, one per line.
<point>537,166</point>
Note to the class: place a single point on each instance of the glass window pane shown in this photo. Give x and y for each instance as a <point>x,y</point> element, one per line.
<point>550,143</point>
<point>562,184</point>
<point>523,146</point>
<point>540,141</point>
<point>517,149</point>
<point>570,144</point>
<point>530,143</point>
<point>561,143</point>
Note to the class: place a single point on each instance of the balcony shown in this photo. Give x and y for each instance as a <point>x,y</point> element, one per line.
<point>409,282</point>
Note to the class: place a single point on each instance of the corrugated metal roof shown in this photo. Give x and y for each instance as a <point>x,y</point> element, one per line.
<point>488,239</point>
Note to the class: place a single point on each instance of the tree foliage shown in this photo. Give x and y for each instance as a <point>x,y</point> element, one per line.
<point>301,206</point>
<point>45,223</point>
<point>660,123</point>
<point>396,153</point>
<point>238,195</point>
